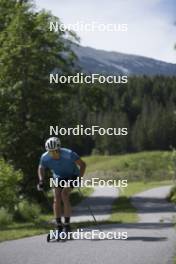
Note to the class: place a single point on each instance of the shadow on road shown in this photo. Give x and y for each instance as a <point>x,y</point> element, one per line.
<point>154,226</point>
<point>153,205</point>
<point>147,239</point>
<point>132,238</point>
<point>100,205</point>
<point>137,238</point>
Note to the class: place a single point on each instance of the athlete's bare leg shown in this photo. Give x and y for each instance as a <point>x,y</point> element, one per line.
<point>57,202</point>
<point>65,194</point>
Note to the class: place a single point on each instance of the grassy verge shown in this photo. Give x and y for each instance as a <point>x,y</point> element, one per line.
<point>172,199</point>
<point>143,166</point>
<point>19,230</point>
<point>174,260</point>
<point>136,187</point>
<point>172,195</point>
<point>123,211</point>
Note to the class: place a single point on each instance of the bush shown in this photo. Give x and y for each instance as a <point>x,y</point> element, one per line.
<point>172,195</point>
<point>5,217</point>
<point>9,186</point>
<point>27,211</point>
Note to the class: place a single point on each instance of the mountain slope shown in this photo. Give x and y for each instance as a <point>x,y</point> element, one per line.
<point>106,62</point>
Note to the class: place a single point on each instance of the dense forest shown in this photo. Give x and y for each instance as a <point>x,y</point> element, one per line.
<point>146,106</point>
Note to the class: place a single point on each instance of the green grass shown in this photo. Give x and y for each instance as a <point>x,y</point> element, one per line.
<point>172,195</point>
<point>174,260</point>
<point>152,165</point>
<point>136,187</point>
<point>123,211</point>
<point>158,159</point>
<point>20,230</point>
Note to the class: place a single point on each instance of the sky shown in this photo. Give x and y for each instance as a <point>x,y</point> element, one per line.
<point>151,24</point>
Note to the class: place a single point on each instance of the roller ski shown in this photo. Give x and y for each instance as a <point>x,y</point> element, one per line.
<point>55,235</point>
<point>61,233</point>
<point>67,232</point>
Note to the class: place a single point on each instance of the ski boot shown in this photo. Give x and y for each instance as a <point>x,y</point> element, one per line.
<point>67,231</point>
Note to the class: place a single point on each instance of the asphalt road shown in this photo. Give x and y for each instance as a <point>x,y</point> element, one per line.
<point>100,202</point>
<point>151,241</point>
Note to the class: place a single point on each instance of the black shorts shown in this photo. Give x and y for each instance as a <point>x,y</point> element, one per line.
<point>63,182</point>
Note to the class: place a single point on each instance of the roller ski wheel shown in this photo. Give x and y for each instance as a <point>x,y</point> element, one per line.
<point>67,231</point>
<point>55,237</point>
<point>48,238</point>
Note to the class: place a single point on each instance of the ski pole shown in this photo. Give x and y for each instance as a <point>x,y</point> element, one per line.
<point>90,210</point>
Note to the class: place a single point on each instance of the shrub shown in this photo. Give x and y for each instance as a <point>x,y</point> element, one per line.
<point>5,217</point>
<point>172,195</point>
<point>9,185</point>
<point>27,211</point>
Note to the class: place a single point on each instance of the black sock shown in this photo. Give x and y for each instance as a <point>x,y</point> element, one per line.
<point>67,220</point>
<point>58,221</point>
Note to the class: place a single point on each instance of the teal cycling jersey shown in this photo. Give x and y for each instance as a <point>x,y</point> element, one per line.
<point>64,167</point>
